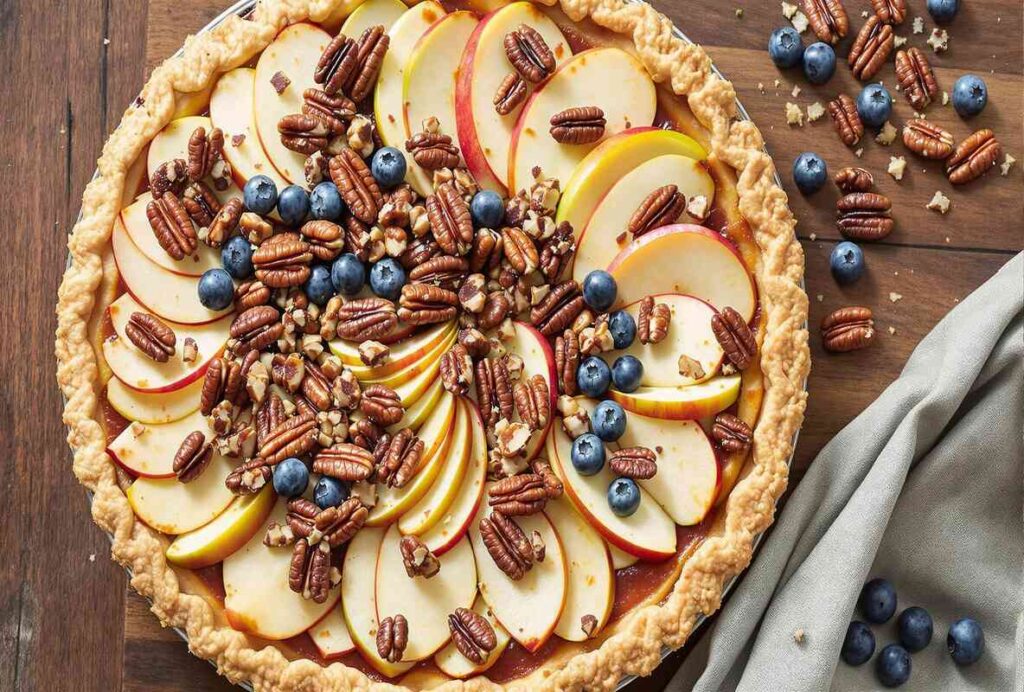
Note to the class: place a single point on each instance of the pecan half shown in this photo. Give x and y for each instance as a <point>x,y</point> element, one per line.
<point>392,638</point>
<point>927,140</point>
<point>853,179</point>
<point>507,545</point>
<point>864,216</point>
<point>973,157</point>
<point>520,495</point>
<point>557,252</point>
<point>558,309</point>
<point>419,251</point>
<point>256,328</point>
<point>653,320</point>
<point>337,525</point>
<point>206,157</point>
<point>333,110</point>
<point>847,329</point>
<point>827,18</point>
<point>433,150</point>
<point>306,134</point>
<point>200,203</point>
<point>325,239</point>
<point>494,390</point>
<point>916,78</point>
<point>225,223</point>
<point>373,45</point>
<point>846,119</point>
<point>418,559</point>
<point>457,370</point>
<point>214,380</point>
<point>519,250</point>
<point>357,185</point>
<point>169,176</point>
<point>473,635</point>
<point>871,48</point>
<point>567,361</point>
<point>890,11</point>
<point>337,64</point>
<point>551,482</point>
<point>151,336</point>
<point>309,571</point>
<point>486,251</point>
<point>251,293</point>
<point>381,405</point>
<point>510,94</point>
<point>450,219</point>
<point>578,125</point>
<point>634,462</point>
<point>426,304</point>
<point>533,401</point>
<point>731,433</point>
<point>192,457</point>
<point>497,306</point>
<point>529,54</point>
<point>735,337</point>
<point>171,225</point>
<point>663,206</point>
<point>472,296</point>
<point>443,271</point>
<point>357,237</point>
<point>291,438</point>
<point>365,433</point>
<point>283,261</point>
<point>399,459</point>
<point>366,318</point>
<point>249,478</point>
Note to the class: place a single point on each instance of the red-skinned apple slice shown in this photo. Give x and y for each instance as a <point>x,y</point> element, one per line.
<point>453,664</point>
<point>682,403</point>
<point>153,408</point>
<point>397,377</point>
<point>232,529</point>
<point>173,507</point>
<point>148,450</point>
<point>582,80</point>
<point>620,558</point>
<point>483,133</point>
<point>172,143</point>
<point>416,414</point>
<point>401,353</point>
<point>685,259</point>
<point>135,222</point>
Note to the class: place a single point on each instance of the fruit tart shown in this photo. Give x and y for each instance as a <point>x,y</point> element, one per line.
<point>450,341</point>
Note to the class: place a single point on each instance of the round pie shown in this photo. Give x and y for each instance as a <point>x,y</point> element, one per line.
<point>440,342</point>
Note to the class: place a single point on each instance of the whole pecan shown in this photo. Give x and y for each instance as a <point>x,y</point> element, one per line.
<point>510,94</point>
<point>418,559</point>
<point>450,219</point>
<point>357,185</point>
<point>373,45</point>
<point>927,140</point>
<point>269,415</point>
<point>494,390</point>
<point>533,401</point>
<point>365,433</point>
<point>735,337</point>
<point>427,304</point>
<point>326,239</point>
<point>827,18</point>
<point>206,157</point>
<point>653,320</point>
<point>192,457</point>
<point>871,48</point>
<point>381,405</point>
<point>366,318</point>
<point>293,437</point>
<point>853,179</point>
<point>519,250</point>
<point>847,329</point>
<point>392,638</point>
<point>200,203</point>
<point>457,370</point>
<point>973,157</point>
<point>309,570</point>
<point>306,134</point>
<point>520,495</point>
<point>473,635</point>
<point>486,250</point>
<point>337,64</point>
<point>864,216</point>
<point>731,433</point>
<point>663,206</point>
<point>251,293</point>
<point>400,459</point>
<point>333,110</point>
<point>171,225</point>
<point>443,271</point>
<point>497,306</point>
<point>634,462</point>
<point>419,251</point>
<point>529,54</point>
<point>249,478</point>
<point>433,150</point>
<point>256,328</point>
<point>151,336</point>
<point>169,176</point>
<point>916,78</point>
<point>578,125</point>
<point>474,341</point>
<point>558,309</point>
<point>225,223</point>
<point>890,11</point>
<point>508,545</point>
<point>567,361</point>
<point>848,124</point>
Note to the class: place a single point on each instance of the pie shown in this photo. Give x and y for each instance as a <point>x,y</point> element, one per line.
<point>459,534</point>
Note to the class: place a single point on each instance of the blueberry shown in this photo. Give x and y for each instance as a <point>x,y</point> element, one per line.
<point>319,287</point>
<point>593,377</point>
<point>599,290</point>
<point>965,641</point>
<point>943,11</point>
<point>819,63</point>
<point>874,105</point>
<point>847,262</point>
<point>293,205</point>
<point>587,454</point>
<point>329,492</point>
<point>859,644</point>
<point>387,278</point>
<point>623,496</point>
<point>388,166</point>
<point>915,628</point>
<point>878,600</point>
<point>809,172</point>
<point>969,95</point>
<point>609,421</point>
<point>348,274</point>
<point>623,328</point>
<point>626,373</point>
<point>325,202</point>
<point>487,209</point>
<point>215,289</point>
<point>236,257</point>
<point>785,47</point>
<point>893,666</point>
<point>260,194</point>
<point>290,477</point>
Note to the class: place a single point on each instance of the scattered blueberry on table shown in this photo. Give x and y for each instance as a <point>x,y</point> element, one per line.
<point>593,377</point>
<point>236,257</point>
<point>599,290</point>
<point>587,454</point>
<point>609,421</point>
<point>785,47</point>
<point>847,262</point>
<point>329,492</point>
<point>626,373</point>
<point>893,666</point>
<point>388,167</point>
<point>874,105</point>
<point>216,291</point>
<point>319,287</point>
<point>325,202</point>
<point>819,63</point>
<point>487,209</point>
<point>293,205</point>
<point>387,278</point>
<point>943,11</point>
<point>970,94</point>
<point>878,601</point>
<point>965,641</point>
<point>290,478</point>
<point>623,496</point>
<point>623,329</point>
<point>809,172</point>
<point>859,644</point>
<point>914,626</point>
<point>348,274</point>
<point>260,195</point>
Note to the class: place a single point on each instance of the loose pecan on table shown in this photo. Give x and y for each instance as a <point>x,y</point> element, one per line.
<point>890,11</point>
<point>450,219</point>
<point>392,638</point>
<point>828,19</point>
<point>206,157</point>
<point>333,110</point>
<point>973,157</point>
<point>864,216</point>
<point>381,404</point>
<point>847,329</point>
<point>559,308</point>
<point>399,460</point>
<point>529,54</point>
<point>853,179</point>
<point>731,433</point>
<point>473,635</point>
<point>533,401</point>
<point>653,320</point>
<point>443,271</point>
<point>432,150</point>
<point>200,203</point>
<point>567,361</point>
<point>927,140</point>
<point>169,176</point>
<point>871,48</point>
<point>306,134</point>
<point>663,206</point>
<point>256,329</point>
<point>151,336</point>
<point>291,438</point>
<point>848,124</point>
<point>418,559</point>
<point>171,225</point>
<point>225,223</point>
<point>510,94</point>
<point>325,239</point>
<point>508,545</point>
<point>578,125</point>
<point>634,462</point>
<point>915,77</point>
<point>457,370</point>
<point>366,318</point>
<point>192,457</point>
<point>735,337</point>
<point>357,185</point>
<point>427,304</point>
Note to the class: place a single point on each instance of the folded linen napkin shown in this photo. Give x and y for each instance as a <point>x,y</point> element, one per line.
<point>924,488</point>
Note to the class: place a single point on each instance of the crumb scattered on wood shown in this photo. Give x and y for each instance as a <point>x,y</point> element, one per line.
<point>794,115</point>
<point>897,165</point>
<point>887,135</point>
<point>939,41</point>
<point>895,297</point>
<point>815,111</point>
<point>1007,164</point>
<point>939,203</point>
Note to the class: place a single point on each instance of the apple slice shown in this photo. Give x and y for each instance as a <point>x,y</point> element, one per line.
<point>191,102</point>
<point>294,53</point>
<point>685,259</point>
<point>136,224</point>
<point>387,99</point>
<point>410,371</point>
<point>483,133</point>
<point>331,636</point>
<point>648,533</point>
<point>172,143</point>
<point>212,543</point>
<point>610,161</point>
<point>401,354</point>
<point>257,598</point>
<point>538,359</point>
<point>416,414</point>
<point>411,390</point>
<point>620,558</point>
<point>171,296</point>
<point>609,78</point>
<point>153,408</point>
<point>530,607</point>
<point>453,664</point>
<point>682,403</point>
<point>688,476</point>
<point>148,450</point>
<point>371,13</point>
<point>173,507</point>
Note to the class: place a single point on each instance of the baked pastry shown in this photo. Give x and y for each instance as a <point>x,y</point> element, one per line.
<point>321,483</point>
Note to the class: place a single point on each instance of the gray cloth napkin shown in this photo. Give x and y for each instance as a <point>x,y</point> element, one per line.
<point>924,488</point>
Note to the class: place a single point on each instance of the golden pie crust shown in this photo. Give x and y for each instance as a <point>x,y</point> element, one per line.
<point>636,646</point>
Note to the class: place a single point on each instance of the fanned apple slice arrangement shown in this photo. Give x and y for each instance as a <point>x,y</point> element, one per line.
<point>423,383</point>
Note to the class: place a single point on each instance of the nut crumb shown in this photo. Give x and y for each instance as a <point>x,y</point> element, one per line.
<point>918,25</point>
<point>897,165</point>
<point>92,557</point>
<point>788,10</point>
<point>279,81</point>
<point>760,87</point>
<point>892,330</point>
<point>794,116</point>
<point>799,636</point>
<point>697,207</point>
<point>945,98</point>
<point>800,22</point>
<point>939,203</point>
<point>895,297</point>
<point>859,152</point>
<point>1006,165</point>
<point>820,297</point>
<point>899,41</point>
<point>815,111</point>
<point>796,90</point>
<point>739,13</point>
<point>813,237</point>
<point>887,135</point>
<point>939,40</point>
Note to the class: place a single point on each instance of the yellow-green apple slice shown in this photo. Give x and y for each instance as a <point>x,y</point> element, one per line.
<point>529,608</point>
<point>425,603</point>
<point>591,579</point>
<point>411,390</point>
<point>428,81</point>
<point>231,110</point>
<point>538,359</point>
<point>335,17</point>
<point>257,598</point>
<point>603,237</point>
<point>331,636</point>
<point>148,450</point>
<point>153,408</point>
<point>609,78</point>
<point>171,296</point>
<point>134,177</point>
<point>135,222</point>
<point>410,371</point>
<point>387,98</point>
<point>294,54</point>
<point>648,533</point>
<point>688,476</point>
<point>483,133</point>
<point>453,664</point>
<point>359,597</point>
<point>416,414</point>
<point>192,102</point>
<point>173,507</point>
<point>685,259</point>
<point>372,13</point>
<point>172,143</point>
<point>612,159</point>
<point>214,542</point>
<point>682,403</point>
<point>689,334</point>
<point>443,535</point>
<point>400,354</point>
<point>620,558</point>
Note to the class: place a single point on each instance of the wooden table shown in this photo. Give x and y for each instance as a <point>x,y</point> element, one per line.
<point>68,616</point>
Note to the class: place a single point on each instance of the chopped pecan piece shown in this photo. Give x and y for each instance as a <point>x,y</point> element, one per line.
<point>357,185</point>
<point>927,140</point>
<point>846,119</point>
<point>333,110</point>
<point>472,294</point>
<point>418,559</point>
<point>510,94</point>
<point>828,19</point>
<point>588,623</point>
<point>200,203</point>
<point>578,125</point>
<point>557,252</point>
<point>256,328</point>
<point>558,309</point>
<point>192,457</point>
<point>293,437</point>
<point>169,176</point>
<point>916,78</point>
<point>224,223</point>
<point>151,336</point>
<point>475,342</point>
<point>567,361</point>
<point>381,405</point>
<point>847,329</point>
<point>864,216</point>
<point>735,338</point>
<point>529,53</point>
<point>852,179</point>
<point>634,462</point>
<point>973,157</point>
<point>663,206</point>
<point>392,638</point>
<point>457,370</point>
<point>508,545</point>
<point>871,48</point>
<point>306,134</point>
<point>206,157</point>
<point>433,150</point>
<point>731,433</point>
<point>283,261</point>
<point>450,219</point>
<point>398,458</point>
<point>427,304</point>
<point>473,635</point>
<point>890,11</point>
<point>533,401</point>
<point>171,225</point>
<point>366,318</point>
<point>249,478</point>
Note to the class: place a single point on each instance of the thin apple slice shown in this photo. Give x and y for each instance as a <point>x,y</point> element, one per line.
<point>538,359</point>
<point>585,79</point>
<point>685,259</point>
<point>620,558</point>
<point>372,13</point>
<point>232,529</point>
<point>453,664</point>
<point>483,133</point>
<point>682,403</point>
<point>173,507</point>
<point>400,354</point>
<point>411,390</point>
<point>416,414</point>
<point>191,102</point>
<point>331,636</point>
<point>136,224</point>
<point>148,450</point>
<point>294,53</point>
<point>153,408</point>
<point>172,143</point>
<point>530,607</point>
<point>410,371</point>
<point>425,603</point>
<point>257,598</point>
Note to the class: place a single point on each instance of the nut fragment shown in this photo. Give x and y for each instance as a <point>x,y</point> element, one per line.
<point>169,176</point>
<point>847,329</point>
<point>373,353</point>
<point>578,125</point>
<point>735,337</point>
<point>418,559</point>
<point>151,336</point>
<point>731,433</point>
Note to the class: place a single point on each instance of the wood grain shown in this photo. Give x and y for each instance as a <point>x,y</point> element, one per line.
<point>68,616</point>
